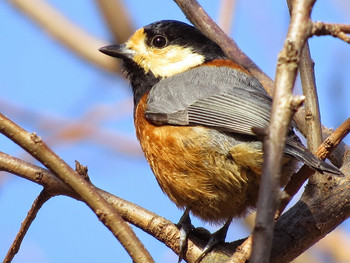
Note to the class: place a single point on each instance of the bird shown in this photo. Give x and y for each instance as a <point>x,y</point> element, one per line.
<point>195,112</point>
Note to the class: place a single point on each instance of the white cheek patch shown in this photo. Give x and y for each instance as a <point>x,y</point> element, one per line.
<point>174,60</point>
<point>164,62</point>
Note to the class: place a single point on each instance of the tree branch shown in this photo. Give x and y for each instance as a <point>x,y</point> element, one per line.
<point>198,17</point>
<point>335,30</point>
<point>333,140</point>
<point>111,219</point>
<point>312,111</point>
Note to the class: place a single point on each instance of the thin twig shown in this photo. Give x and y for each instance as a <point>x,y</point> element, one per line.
<point>34,145</point>
<point>38,203</point>
<point>66,32</point>
<point>333,140</point>
<point>332,29</point>
<point>35,174</point>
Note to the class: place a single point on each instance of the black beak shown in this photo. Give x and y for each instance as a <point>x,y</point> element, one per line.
<point>118,51</point>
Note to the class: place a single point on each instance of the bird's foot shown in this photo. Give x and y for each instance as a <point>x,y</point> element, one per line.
<point>216,238</point>
<point>185,229</point>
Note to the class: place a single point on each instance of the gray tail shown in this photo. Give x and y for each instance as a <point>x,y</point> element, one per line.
<point>298,151</point>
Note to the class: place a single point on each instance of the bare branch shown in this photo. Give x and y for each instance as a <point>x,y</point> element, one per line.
<point>333,140</point>
<point>66,32</point>
<point>335,30</point>
<point>38,203</point>
<point>34,145</point>
<point>312,111</point>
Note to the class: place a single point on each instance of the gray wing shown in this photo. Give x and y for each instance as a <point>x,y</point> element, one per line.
<point>223,98</point>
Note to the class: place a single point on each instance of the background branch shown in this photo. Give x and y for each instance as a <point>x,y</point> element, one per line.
<point>226,14</point>
<point>66,32</point>
<point>117,18</point>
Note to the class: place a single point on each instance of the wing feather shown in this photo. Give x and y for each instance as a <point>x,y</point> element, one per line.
<point>220,97</point>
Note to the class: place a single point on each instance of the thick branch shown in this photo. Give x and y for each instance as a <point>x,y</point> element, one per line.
<point>167,232</point>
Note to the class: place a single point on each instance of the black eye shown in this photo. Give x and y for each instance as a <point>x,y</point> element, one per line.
<point>159,41</point>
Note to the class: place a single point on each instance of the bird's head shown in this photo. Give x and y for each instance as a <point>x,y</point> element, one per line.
<point>162,49</point>
<point>166,48</point>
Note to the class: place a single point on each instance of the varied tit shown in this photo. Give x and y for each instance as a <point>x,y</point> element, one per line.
<point>194,110</point>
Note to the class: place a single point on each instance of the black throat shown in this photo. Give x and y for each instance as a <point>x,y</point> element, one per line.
<point>141,82</point>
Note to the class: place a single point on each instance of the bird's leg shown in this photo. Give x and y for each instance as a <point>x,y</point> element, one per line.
<point>185,229</point>
<point>216,238</point>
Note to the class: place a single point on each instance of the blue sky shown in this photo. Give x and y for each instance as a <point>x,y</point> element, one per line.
<point>43,83</point>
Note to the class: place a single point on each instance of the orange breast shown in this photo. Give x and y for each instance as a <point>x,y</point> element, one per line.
<point>200,168</point>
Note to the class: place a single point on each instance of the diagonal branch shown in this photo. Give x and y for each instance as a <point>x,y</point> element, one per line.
<point>198,17</point>
<point>34,145</point>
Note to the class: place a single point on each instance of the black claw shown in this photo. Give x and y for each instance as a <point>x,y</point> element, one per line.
<point>185,229</point>
<point>216,238</point>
